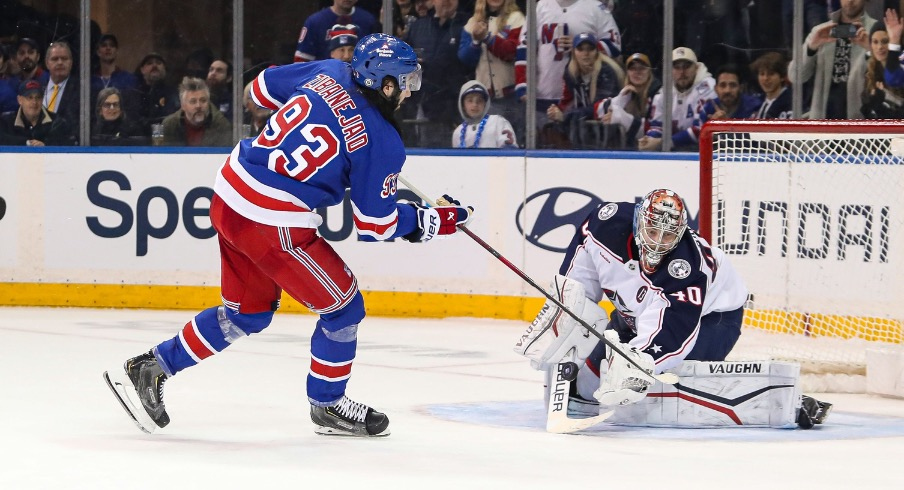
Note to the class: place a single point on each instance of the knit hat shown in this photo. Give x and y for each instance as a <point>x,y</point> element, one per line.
<point>878,26</point>
<point>343,35</point>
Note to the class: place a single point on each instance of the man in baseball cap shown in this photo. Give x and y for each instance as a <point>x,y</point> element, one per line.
<point>32,125</point>
<point>28,57</point>
<point>694,87</point>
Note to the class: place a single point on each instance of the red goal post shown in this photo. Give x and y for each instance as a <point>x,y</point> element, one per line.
<point>811,214</point>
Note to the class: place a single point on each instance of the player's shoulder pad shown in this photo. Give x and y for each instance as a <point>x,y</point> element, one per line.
<point>682,268</point>
<point>611,225</point>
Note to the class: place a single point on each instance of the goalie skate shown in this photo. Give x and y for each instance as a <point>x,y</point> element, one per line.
<point>144,402</point>
<point>349,418</point>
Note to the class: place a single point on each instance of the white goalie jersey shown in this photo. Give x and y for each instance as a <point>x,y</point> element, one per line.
<point>663,308</point>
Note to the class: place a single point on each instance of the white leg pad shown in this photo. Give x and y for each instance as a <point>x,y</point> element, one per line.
<point>553,333</point>
<point>713,394</point>
<point>721,394</point>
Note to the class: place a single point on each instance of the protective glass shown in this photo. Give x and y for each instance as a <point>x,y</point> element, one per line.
<point>411,81</point>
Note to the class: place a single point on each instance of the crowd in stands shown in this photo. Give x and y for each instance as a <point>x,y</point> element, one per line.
<point>598,83</point>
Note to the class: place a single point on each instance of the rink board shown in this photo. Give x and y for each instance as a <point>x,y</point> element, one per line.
<point>132,229</point>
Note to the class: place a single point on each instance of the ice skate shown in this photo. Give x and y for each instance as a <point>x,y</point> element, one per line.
<point>349,418</point>
<point>139,390</point>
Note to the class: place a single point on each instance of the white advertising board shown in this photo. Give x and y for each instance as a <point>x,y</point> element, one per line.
<point>113,218</point>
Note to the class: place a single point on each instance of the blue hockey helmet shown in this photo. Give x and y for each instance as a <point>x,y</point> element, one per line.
<point>380,55</point>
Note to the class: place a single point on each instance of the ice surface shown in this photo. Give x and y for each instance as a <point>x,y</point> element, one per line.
<point>465,411</point>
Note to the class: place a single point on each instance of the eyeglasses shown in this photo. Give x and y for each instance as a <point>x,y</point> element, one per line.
<point>111,105</point>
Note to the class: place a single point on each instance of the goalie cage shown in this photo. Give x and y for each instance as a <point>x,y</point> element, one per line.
<point>811,214</point>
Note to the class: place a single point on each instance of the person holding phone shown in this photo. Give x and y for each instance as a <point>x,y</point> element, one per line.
<point>835,59</point>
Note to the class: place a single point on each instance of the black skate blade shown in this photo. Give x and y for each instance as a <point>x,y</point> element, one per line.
<point>332,431</point>
<point>119,387</point>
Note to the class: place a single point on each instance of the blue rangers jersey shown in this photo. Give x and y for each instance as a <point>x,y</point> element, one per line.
<point>663,308</point>
<point>313,40</point>
<point>323,138</point>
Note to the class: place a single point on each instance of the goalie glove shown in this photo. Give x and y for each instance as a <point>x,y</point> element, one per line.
<point>438,221</point>
<point>553,332</point>
<point>624,384</point>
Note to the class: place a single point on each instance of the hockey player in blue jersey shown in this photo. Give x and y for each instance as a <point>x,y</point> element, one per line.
<point>332,130</point>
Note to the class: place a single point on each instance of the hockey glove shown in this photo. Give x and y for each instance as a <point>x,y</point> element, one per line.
<point>438,221</point>
<point>624,384</point>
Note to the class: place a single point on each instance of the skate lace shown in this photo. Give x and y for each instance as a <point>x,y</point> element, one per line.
<point>160,381</point>
<point>351,409</point>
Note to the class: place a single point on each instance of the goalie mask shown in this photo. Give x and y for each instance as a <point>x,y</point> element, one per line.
<point>660,220</point>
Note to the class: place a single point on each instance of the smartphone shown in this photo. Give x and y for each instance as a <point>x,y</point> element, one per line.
<point>845,31</point>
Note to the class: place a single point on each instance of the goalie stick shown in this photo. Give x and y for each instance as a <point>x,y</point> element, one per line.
<point>667,378</point>
<point>557,420</point>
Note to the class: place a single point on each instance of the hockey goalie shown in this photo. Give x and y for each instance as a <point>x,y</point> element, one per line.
<point>679,306</point>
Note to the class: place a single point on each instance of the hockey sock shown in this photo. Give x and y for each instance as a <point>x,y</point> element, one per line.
<point>207,333</point>
<point>333,347</point>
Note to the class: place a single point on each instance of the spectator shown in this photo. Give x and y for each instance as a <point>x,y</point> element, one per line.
<point>422,8</point>
<point>894,73</point>
<point>731,101</point>
<point>478,128</point>
<point>28,57</point>
<point>197,122</point>
<point>255,115</point>
<point>555,28</point>
<point>219,82</point>
<point>632,108</point>
<point>403,15</point>
<point>313,43</point>
<point>154,98</point>
<point>488,43</point>
<point>772,74</point>
<point>8,101</point>
<point>197,63</point>
<point>590,77</point>
<point>436,39</point>
<point>836,61</point>
<point>62,90</point>
<point>32,124</point>
<point>880,101</point>
<point>693,87</point>
<point>108,74</point>
<point>342,42</point>
<point>113,127</point>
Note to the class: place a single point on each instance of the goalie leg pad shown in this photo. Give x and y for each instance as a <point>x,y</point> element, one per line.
<point>554,332</point>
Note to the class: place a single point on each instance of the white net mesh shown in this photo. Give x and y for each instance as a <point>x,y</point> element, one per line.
<point>814,222</point>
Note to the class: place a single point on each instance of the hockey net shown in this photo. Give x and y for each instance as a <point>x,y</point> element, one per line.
<point>812,216</point>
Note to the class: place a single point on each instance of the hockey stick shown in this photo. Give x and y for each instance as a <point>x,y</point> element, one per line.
<point>667,378</point>
<point>557,420</point>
